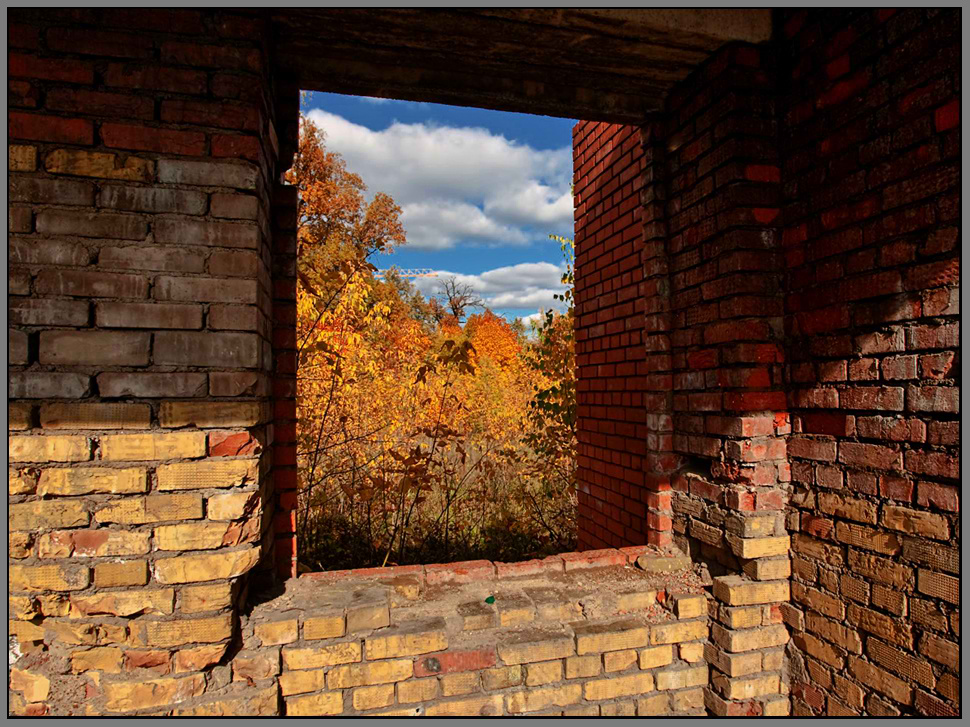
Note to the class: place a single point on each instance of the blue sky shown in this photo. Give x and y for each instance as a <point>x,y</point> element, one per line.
<point>481,190</point>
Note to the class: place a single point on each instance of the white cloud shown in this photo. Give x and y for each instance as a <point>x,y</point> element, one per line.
<point>373,100</point>
<point>523,286</point>
<point>457,184</point>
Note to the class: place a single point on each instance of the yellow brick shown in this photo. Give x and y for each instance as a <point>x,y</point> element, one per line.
<point>773,660</point>
<point>618,686</point>
<point>192,536</point>
<point>582,666</point>
<point>19,544</point>
<point>735,591</point>
<point>21,482</point>
<point>55,605</point>
<point>215,597</point>
<point>105,658</point>
<point>613,636</point>
<point>129,696</point>
<point>405,644</point>
<point>675,633</point>
<point>132,573</point>
<point>627,708</point>
<point>418,690</point>
<point>194,568</point>
<point>689,605</point>
<point>85,481</point>
<point>544,672</point>
<point>536,699</point>
<point>743,617</point>
<point>368,618</point>
<point>48,578</point>
<point>581,710</point>
<point>47,514</point>
<point>152,447</point>
<point>501,677</point>
<point>208,414</point>
<point>776,707</point>
<point>187,631</point>
<point>49,449</point>
<point>232,506</point>
<point>656,656</point>
<point>759,547</point>
<point>19,415</point>
<point>35,687</point>
<point>92,543</point>
<point>635,601</point>
<point>768,569</point>
<point>151,509</point>
<point>261,703</point>
<point>22,158</point>
<point>278,632</point>
<point>692,652</point>
<point>323,627</point>
<point>746,687</point>
<point>373,672</point>
<point>652,706</point>
<point>680,678</point>
<point>535,646</point>
<point>126,603</point>
<point>207,473</point>
<point>315,705</point>
<point>255,665</point>
<point>619,660</point>
<point>490,706</point>
<point>301,682</point>
<point>82,163</point>
<point>25,631</point>
<point>320,656</point>
<point>95,416</point>
<point>453,685</point>
<point>22,608</point>
<point>688,699</point>
<point>366,698</point>
<point>749,639</point>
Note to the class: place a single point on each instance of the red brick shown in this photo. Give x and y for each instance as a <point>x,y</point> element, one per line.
<point>233,444</point>
<point>99,43</point>
<point>948,116</point>
<point>463,572</point>
<point>211,56</point>
<point>100,103</point>
<point>144,138</point>
<point>941,497</point>
<point>211,113</point>
<point>156,78</point>
<point>236,146</point>
<point>448,662</point>
<point>49,69</point>
<point>40,127</point>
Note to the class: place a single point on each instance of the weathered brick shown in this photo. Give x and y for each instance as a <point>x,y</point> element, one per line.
<point>917,522</point>
<point>197,599</point>
<point>886,627</point>
<point>151,385</point>
<point>738,640</point>
<point>229,350</point>
<point>210,414</point>
<point>128,573</point>
<point>315,705</point>
<point>206,474</point>
<point>81,163</point>
<point>938,585</point>
<point>104,659</point>
<point>151,509</point>
<point>195,568</point>
<point>236,206</point>
<point>85,481</point>
<point>45,312</point>
<point>95,416</point>
<point>47,514</point>
<point>881,681</point>
<point>37,190</point>
<point>612,636</point>
<point>373,672</point>
<point>675,633</point>
<point>281,632</point>
<point>47,385</point>
<point>473,706</point>
<point>207,174</point>
<point>537,699</point>
<point>202,535</point>
<point>532,646</point>
<point>418,690</point>
<point>130,696</point>
<point>21,158</point>
<point>94,347</point>
<point>49,578</point>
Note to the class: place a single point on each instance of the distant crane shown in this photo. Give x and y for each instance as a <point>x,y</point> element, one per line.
<point>410,272</point>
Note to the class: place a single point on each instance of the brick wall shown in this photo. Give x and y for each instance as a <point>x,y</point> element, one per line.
<point>538,638</point>
<point>619,503</point>
<point>142,163</point>
<point>871,143</point>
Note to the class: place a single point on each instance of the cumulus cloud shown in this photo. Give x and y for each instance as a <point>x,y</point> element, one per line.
<point>459,184</point>
<point>523,286</point>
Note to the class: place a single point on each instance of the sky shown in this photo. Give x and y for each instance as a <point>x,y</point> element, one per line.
<point>481,191</point>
